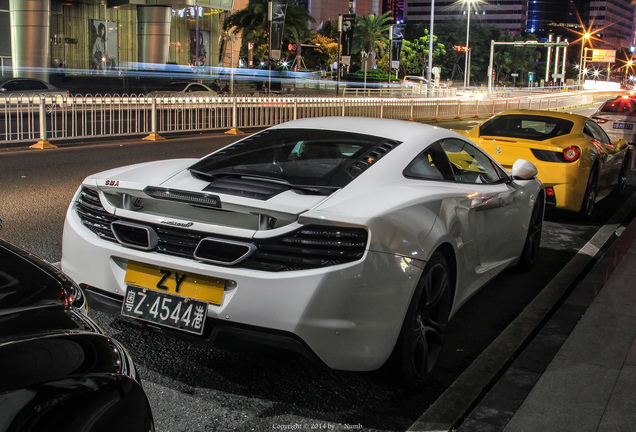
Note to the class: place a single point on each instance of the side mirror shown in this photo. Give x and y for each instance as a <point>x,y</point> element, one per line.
<point>523,170</point>
<point>620,143</point>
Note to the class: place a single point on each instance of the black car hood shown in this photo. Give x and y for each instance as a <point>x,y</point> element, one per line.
<point>58,371</point>
<point>41,360</point>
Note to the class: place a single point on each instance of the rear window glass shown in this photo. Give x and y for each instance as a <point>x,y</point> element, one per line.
<point>536,128</point>
<point>618,106</point>
<point>297,157</point>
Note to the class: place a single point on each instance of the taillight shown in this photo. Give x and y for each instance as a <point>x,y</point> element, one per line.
<point>599,120</point>
<point>571,153</point>
<point>549,191</point>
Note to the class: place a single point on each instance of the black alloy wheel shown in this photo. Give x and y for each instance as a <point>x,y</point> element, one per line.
<point>622,176</point>
<point>533,238</point>
<point>422,336</point>
<point>589,199</point>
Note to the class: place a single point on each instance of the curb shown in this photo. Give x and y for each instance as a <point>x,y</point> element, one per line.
<point>461,397</point>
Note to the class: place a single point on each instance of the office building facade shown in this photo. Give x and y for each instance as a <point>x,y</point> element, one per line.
<point>611,21</point>
<point>508,15</point>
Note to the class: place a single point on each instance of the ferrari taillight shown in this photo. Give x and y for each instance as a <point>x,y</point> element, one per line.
<point>571,153</point>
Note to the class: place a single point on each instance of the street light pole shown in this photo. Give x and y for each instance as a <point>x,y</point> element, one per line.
<point>466,72</point>
<point>586,35</point>
<point>430,51</point>
<point>390,51</point>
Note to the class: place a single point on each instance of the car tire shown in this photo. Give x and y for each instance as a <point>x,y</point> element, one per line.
<point>622,176</point>
<point>533,238</point>
<point>423,331</point>
<point>589,199</point>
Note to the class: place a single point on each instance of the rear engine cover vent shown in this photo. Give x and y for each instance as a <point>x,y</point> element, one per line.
<point>365,161</point>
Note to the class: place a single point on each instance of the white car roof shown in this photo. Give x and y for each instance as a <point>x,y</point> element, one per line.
<point>400,130</point>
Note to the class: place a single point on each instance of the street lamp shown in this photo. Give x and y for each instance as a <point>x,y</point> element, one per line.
<point>466,65</point>
<point>430,51</point>
<point>585,36</point>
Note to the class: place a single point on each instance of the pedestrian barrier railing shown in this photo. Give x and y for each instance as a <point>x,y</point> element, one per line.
<point>44,118</point>
<point>397,91</point>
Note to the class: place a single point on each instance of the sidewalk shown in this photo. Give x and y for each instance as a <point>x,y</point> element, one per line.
<point>579,372</point>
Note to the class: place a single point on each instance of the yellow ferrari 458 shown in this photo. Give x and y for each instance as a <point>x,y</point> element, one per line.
<point>576,161</point>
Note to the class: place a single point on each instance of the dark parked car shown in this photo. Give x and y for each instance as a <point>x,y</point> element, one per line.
<point>16,92</point>
<point>29,87</point>
<point>58,372</point>
<point>189,89</point>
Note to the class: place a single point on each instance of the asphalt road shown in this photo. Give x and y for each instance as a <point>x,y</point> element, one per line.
<point>196,388</point>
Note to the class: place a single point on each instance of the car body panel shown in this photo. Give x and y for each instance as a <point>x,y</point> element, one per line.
<point>349,313</point>
<point>56,366</point>
<point>180,90</point>
<point>16,92</point>
<point>568,179</point>
<point>617,117</point>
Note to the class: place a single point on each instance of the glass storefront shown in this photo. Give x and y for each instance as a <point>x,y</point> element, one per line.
<point>5,39</point>
<point>99,38</point>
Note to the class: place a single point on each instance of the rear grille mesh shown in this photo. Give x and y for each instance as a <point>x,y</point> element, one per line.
<point>308,247</point>
<point>93,215</point>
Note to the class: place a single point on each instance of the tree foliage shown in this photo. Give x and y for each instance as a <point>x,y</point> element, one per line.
<point>372,32</point>
<point>414,56</point>
<point>253,25</point>
<point>509,58</point>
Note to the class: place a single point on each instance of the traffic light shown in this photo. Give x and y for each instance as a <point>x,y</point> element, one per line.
<point>460,48</point>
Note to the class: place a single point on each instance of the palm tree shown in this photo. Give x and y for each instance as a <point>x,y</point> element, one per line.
<point>253,24</point>
<point>372,32</point>
<point>298,36</point>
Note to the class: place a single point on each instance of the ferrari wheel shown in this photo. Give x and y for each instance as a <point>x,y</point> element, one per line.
<point>589,199</point>
<point>622,176</point>
<point>533,239</point>
<point>422,336</point>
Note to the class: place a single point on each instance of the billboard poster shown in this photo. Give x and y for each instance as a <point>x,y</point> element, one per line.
<point>348,26</point>
<point>277,16</point>
<point>396,49</point>
<point>104,45</point>
<point>199,51</point>
<point>5,34</point>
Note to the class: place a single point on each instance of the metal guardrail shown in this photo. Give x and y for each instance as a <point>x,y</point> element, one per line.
<point>395,91</point>
<point>46,118</point>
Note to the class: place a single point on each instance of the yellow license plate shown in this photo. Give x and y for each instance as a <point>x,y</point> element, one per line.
<point>204,288</point>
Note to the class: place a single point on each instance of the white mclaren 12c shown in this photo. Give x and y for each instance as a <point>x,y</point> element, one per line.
<point>350,240</point>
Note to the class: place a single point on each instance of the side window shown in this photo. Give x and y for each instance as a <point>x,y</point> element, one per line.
<point>11,86</point>
<point>431,164</point>
<point>596,132</point>
<point>469,164</point>
<point>32,85</point>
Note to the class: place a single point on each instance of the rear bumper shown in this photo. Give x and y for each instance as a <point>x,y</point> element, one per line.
<point>219,334</point>
<point>348,315</point>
